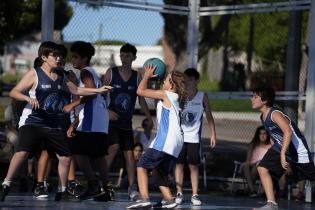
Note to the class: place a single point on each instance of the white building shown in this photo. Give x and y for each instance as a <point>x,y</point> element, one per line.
<point>22,55</point>
<point>108,56</point>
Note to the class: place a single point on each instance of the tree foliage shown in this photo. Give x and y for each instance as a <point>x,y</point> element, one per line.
<point>19,18</point>
<point>270,33</point>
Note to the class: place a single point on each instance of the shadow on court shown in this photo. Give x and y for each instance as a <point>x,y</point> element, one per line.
<point>26,201</point>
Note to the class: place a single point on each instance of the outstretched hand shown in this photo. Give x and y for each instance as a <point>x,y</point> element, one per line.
<point>104,88</point>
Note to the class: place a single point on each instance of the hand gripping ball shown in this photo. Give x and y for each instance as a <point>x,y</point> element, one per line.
<point>160,67</point>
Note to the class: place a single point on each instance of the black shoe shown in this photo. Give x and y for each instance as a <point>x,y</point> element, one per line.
<point>93,190</point>
<point>65,196</point>
<point>111,192</point>
<point>103,198</point>
<point>4,192</point>
<point>75,188</point>
<point>40,191</point>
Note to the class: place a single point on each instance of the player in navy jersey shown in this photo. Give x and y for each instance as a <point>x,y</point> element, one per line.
<point>123,97</point>
<point>167,144</point>
<point>43,117</point>
<point>289,153</point>
<point>44,162</point>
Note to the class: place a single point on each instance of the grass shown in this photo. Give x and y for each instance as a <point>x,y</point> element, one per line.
<point>231,105</point>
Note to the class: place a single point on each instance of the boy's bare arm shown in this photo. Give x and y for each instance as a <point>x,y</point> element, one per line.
<point>284,125</point>
<point>207,108</point>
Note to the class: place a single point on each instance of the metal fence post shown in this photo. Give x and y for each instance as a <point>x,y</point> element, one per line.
<point>48,9</point>
<point>193,33</point>
<point>310,89</point>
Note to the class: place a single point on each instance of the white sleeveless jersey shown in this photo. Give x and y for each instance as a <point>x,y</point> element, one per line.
<point>169,137</point>
<point>192,118</point>
<point>93,116</point>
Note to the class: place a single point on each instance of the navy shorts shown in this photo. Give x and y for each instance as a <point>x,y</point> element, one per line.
<point>122,137</point>
<point>190,154</point>
<point>160,161</point>
<point>301,171</point>
<point>31,139</point>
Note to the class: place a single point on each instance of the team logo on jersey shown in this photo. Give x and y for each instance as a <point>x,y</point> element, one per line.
<point>188,118</point>
<point>122,102</point>
<point>45,86</point>
<point>54,103</point>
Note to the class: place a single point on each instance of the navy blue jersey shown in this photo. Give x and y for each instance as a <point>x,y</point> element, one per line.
<point>52,96</point>
<point>123,98</point>
<point>298,150</point>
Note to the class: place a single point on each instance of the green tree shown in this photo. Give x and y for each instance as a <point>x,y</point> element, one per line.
<point>19,18</point>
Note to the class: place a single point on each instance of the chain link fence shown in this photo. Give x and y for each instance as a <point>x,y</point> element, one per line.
<point>244,50</point>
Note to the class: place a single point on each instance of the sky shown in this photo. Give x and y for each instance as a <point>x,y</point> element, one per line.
<point>111,23</point>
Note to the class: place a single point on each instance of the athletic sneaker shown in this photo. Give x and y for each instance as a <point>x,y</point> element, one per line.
<point>179,198</point>
<point>140,203</point>
<point>111,192</point>
<point>4,191</point>
<point>75,188</point>
<point>268,206</point>
<point>65,196</point>
<point>93,190</point>
<point>169,204</point>
<point>195,200</point>
<point>40,191</point>
<point>105,197</point>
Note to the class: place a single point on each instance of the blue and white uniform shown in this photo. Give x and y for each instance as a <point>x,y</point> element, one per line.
<point>192,116</point>
<point>298,151</point>
<point>169,137</point>
<point>91,135</point>
<point>52,96</point>
<point>93,115</point>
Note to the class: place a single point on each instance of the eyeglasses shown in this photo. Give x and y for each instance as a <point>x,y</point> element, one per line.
<point>57,57</point>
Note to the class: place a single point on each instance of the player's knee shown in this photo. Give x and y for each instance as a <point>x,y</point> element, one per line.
<point>262,170</point>
<point>22,154</point>
<point>64,160</point>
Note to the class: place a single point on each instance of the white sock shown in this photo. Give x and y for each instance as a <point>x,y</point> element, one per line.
<point>269,201</point>
<point>6,182</point>
<point>45,184</point>
<point>63,188</point>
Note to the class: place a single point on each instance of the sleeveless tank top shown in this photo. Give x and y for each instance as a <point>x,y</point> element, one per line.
<point>93,115</point>
<point>169,137</point>
<point>123,98</point>
<point>52,96</point>
<point>192,116</point>
<point>298,150</point>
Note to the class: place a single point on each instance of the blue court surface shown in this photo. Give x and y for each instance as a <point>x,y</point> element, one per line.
<point>26,201</point>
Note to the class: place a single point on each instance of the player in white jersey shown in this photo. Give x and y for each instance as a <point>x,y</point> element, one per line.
<point>288,155</point>
<point>192,116</point>
<point>89,144</point>
<point>166,146</point>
